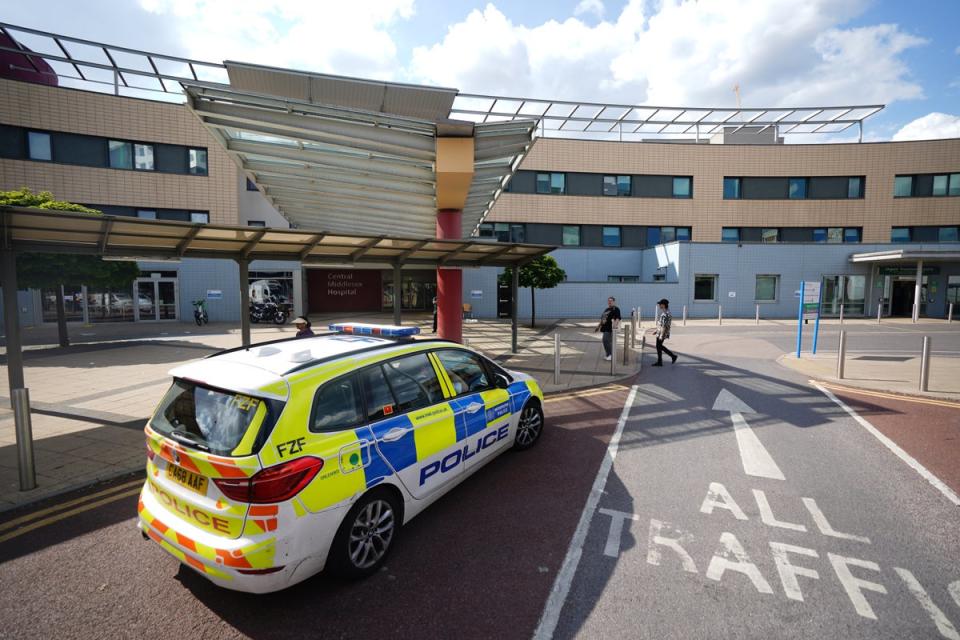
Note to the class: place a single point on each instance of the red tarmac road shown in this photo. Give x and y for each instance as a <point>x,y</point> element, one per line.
<point>477,564</point>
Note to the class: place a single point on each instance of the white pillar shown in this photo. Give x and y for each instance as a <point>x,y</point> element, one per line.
<point>916,292</point>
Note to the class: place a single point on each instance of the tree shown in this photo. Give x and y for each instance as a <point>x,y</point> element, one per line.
<point>542,273</point>
<point>53,270</point>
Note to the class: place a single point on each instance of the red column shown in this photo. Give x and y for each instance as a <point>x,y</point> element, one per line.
<point>449,281</point>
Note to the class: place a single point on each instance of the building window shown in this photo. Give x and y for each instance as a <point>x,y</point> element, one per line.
<point>518,233</point>
<point>854,187</point>
<point>903,186</point>
<point>954,184</point>
<point>835,234</point>
<point>197,164</point>
<point>611,236</point>
<point>731,188</point>
<point>940,185</point>
<point>730,234</point>
<point>251,186</point>
<point>616,185</point>
<point>38,146</point>
<point>820,235</point>
<point>653,236</point>
<point>121,154</point>
<point>147,214</point>
<point>571,235</point>
<point>199,217</point>
<point>851,234</point>
<point>143,157</point>
<point>705,288</point>
<point>953,290</point>
<point>659,277</point>
<point>900,234</point>
<point>770,235</point>
<point>947,234</point>
<point>623,278</point>
<point>551,183</point>
<point>798,188</point>
<point>256,223</point>
<point>668,234</point>
<point>766,289</point>
<point>681,187</point>
<point>683,234</point>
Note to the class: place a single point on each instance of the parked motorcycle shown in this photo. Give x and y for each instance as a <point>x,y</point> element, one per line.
<point>200,312</point>
<point>268,311</point>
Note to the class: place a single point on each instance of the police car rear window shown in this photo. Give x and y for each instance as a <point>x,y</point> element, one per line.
<point>207,419</point>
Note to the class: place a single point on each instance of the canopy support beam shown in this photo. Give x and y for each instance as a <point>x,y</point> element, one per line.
<point>514,286</point>
<point>244,301</point>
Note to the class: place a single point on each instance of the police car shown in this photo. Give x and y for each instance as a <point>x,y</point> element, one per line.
<point>269,463</point>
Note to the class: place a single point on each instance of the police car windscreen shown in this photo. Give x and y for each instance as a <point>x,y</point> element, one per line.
<point>208,419</point>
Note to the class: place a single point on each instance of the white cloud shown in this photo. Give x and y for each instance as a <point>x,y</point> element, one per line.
<point>350,38</point>
<point>932,126</point>
<point>681,52</point>
<point>589,6</point>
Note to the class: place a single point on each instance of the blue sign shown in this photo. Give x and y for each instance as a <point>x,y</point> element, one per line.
<point>214,294</point>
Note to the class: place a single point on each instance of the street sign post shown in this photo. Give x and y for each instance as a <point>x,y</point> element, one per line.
<point>809,309</point>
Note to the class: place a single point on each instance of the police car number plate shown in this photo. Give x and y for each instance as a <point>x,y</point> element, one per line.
<point>188,479</point>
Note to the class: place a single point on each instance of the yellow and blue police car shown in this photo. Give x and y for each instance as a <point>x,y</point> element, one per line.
<point>269,463</point>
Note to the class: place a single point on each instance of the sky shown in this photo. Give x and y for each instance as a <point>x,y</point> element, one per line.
<point>779,53</point>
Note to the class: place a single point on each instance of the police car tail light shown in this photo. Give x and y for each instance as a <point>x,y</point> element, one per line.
<point>273,484</point>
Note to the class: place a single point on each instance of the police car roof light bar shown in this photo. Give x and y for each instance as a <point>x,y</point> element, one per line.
<point>383,330</point>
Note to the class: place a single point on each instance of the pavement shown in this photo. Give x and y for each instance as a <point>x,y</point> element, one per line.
<point>91,400</point>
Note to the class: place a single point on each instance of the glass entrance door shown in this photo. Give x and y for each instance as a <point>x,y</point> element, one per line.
<point>156,299</point>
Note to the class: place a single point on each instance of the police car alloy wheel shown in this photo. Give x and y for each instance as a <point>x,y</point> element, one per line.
<point>530,426</point>
<point>365,537</point>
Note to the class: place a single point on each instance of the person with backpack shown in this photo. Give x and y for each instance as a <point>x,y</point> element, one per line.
<point>663,332</point>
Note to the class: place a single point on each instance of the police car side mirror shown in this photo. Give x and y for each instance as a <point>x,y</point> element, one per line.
<point>501,381</point>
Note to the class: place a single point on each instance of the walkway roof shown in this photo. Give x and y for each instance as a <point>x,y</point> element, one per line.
<point>908,255</point>
<point>41,230</point>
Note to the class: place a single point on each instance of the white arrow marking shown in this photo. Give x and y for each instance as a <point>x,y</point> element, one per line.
<point>757,461</point>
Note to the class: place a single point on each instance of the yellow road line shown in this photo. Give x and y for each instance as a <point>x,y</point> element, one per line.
<point>64,505</point>
<point>67,514</point>
<point>892,396</point>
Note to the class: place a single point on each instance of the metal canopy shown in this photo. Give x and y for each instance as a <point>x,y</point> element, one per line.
<point>908,255</point>
<point>42,230</point>
<point>350,170</point>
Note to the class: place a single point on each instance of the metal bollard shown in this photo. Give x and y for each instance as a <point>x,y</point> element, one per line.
<point>879,312</point>
<point>643,343</point>
<point>639,317</point>
<point>841,354</point>
<point>626,345</point>
<point>720,314</point>
<point>20,399</point>
<point>925,364</point>
<point>613,351</point>
<point>684,315</point>
<point>841,314</point>
<point>950,313</point>
<point>758,314</point>
<point>556,358</point>
<point>633,329</point>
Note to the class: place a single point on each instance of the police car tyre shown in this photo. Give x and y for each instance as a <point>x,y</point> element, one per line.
<point>529,427</point>
<point>365,536</point>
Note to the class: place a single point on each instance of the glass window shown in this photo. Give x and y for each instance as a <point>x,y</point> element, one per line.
<point>940,185</point>
<point>903,186</point>
<point>143,157</point>
<point>900,234</point>
<point>730,234</point>
<point>947,234</point>
<point>609,185</point>
<point>543,183</point>
<point>705,288</point>
<point>851,234</point>
<point>681,187</point>
<point>518,232</point>
<point>766,289</point>
<point>199,217</point>
<point>731,188</point>
<point>798,188</point>
<point>465,369</point>
<point>558,183</point>
<point>623,185</point>
<point>256,223</point>
<point>835,234</point>
<point>954,184</point>
<point>653,236</point>
<point>380,402</point>
<point>668,234</point>
<point>611,236</point>
<point>121,154</point>
<point>770,235</point>
<point>953,289</point>
<point>623,278</point>
<point>146,214</point>
<point>337,406</point>
<point>501,231</point>
<point>571,236</point>
<point>413,381</point>
<point>198,164</point>
<point>820,235</point>
<point>683,234</point>
<point>38,145</point>
<point>854,187</point>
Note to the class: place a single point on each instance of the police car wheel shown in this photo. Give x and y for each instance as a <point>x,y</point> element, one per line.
<point>365,536</point>
<point>530,426</point>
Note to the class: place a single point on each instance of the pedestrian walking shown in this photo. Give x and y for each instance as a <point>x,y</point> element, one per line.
<point>303,327</point>
<point>663,332</point>
<point>609,322</point>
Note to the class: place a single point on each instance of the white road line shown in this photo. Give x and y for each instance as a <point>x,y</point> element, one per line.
<point>757,461</point>
<point>897,451</point>
<point>561,586</point>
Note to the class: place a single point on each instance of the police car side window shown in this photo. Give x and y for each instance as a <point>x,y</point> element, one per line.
<point>465,369</point>
<point>414,382</point>
<point>337,406</point>
<point>376,391</point>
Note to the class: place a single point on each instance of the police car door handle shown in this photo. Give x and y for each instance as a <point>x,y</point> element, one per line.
<point>394,434</point>
<point>473,407</point>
